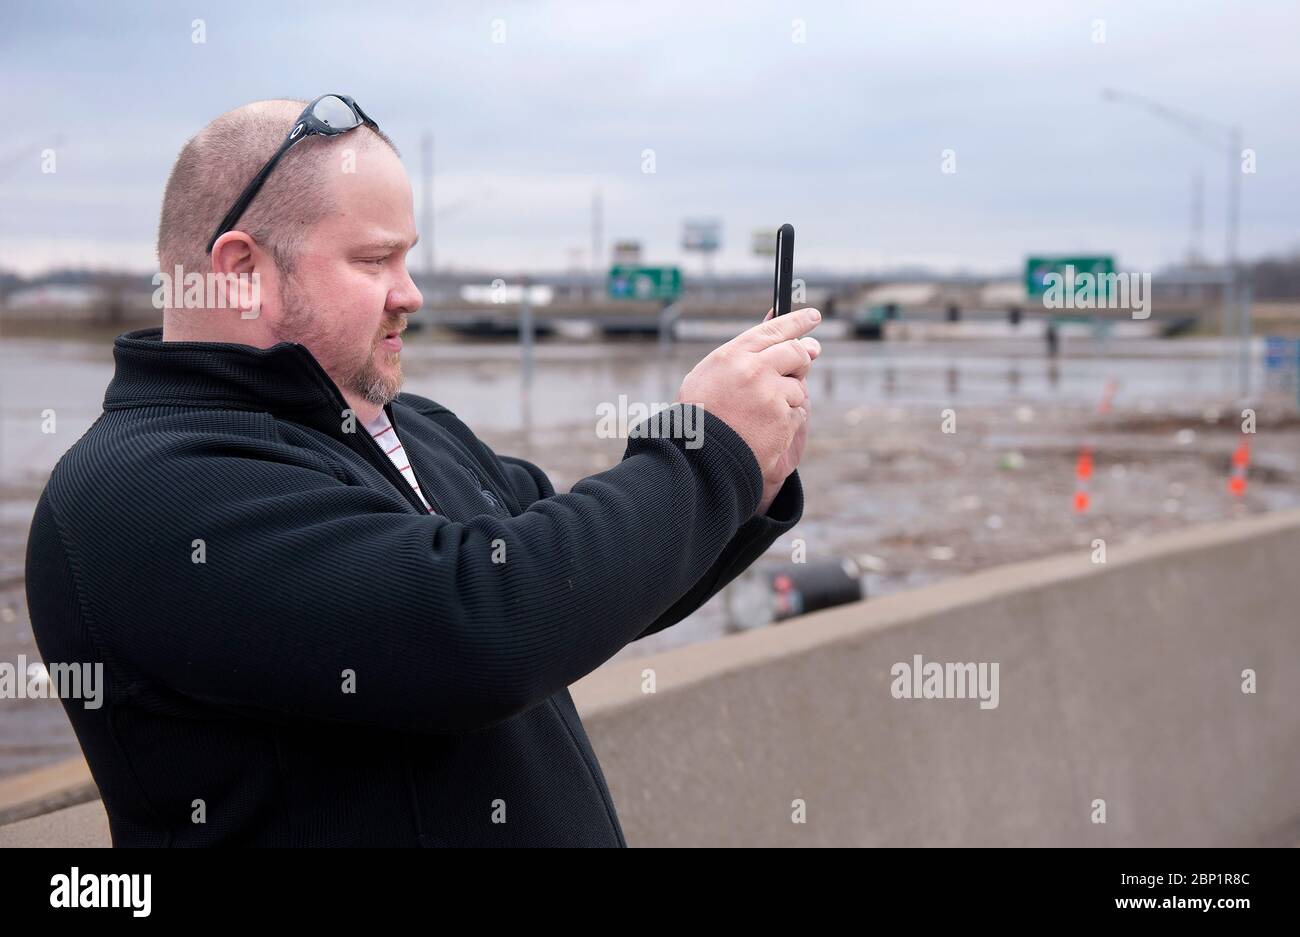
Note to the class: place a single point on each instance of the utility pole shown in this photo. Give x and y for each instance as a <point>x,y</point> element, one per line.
<point>596,238</point>
<point>1213,134</point>
<point>1196,248</point>
<point>426,151</point>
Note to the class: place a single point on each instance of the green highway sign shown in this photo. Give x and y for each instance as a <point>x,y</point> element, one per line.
<point>626,282</point>
<point>1037,269</point>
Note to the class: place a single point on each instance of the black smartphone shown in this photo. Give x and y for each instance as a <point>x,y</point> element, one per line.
<point>784,269</point>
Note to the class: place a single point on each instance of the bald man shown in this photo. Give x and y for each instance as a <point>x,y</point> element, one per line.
<point>327,613</point>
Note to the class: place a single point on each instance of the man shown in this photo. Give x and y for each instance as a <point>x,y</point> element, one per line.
<point>327,613</point>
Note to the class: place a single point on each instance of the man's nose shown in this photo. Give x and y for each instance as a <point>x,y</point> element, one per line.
<point>406,296</point>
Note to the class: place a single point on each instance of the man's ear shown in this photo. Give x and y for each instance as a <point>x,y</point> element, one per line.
<point>236,274</point>
<point>234,252</point>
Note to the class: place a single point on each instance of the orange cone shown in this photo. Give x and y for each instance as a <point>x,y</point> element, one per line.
<point>1082,477</point>
<point>1240,463</point>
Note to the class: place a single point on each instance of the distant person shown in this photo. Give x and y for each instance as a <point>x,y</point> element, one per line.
<point>1052,339</point>
<point>328,614</point>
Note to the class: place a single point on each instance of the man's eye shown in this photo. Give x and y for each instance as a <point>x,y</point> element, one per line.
<point>374,260</point>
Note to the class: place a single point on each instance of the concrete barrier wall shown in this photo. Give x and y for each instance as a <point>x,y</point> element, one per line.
<point>1118,683</point>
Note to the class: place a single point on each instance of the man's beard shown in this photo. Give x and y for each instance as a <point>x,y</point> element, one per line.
<point>371,383</point>
<point>364,378</point>
<point>375,385</point>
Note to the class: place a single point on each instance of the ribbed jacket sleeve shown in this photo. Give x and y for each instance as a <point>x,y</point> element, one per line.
<point>749,543</point>
<point>321,600</point>
<point>751,540</point>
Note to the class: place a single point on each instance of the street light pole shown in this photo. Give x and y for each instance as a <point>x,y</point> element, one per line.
<point>1234,196</point>
<point>1212,134</point>
<point>426,153</point>
<point>1239,292</point>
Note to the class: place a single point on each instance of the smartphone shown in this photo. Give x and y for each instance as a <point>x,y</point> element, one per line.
<point>784,269</point>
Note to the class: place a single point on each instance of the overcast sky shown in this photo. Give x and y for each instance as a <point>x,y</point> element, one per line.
<point>842,134</point>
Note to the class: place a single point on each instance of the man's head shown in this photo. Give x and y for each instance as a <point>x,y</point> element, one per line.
<point>327,236</point>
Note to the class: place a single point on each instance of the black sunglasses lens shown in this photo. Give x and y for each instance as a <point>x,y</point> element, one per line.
<point>335,113</point>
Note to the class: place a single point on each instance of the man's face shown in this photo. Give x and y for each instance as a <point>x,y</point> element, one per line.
<point>349,295</point>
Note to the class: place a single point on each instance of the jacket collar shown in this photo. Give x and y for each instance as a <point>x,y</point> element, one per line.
<point>285,378</point>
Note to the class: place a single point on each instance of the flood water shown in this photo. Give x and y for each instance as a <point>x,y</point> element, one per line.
<point>482,383</point>
<point>882,484</point>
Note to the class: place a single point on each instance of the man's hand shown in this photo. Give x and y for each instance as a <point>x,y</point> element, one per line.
<point>793,454</point>
<point>757,384</point>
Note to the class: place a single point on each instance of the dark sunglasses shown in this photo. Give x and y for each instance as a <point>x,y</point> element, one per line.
<point>329,115</point>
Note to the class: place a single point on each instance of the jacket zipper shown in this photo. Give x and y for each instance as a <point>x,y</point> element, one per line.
<point>387,466</point>
<point>486,488</point>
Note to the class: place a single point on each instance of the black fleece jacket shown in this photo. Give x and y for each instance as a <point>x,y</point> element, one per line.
<point>297,654</point>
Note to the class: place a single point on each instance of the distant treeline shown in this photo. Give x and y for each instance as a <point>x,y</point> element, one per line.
<point>1273,278</point>
<point>1276,278</point>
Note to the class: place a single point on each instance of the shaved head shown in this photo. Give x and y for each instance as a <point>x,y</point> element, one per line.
<point>215,165</point>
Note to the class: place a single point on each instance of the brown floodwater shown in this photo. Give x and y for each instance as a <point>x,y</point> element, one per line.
<point>884,484</point>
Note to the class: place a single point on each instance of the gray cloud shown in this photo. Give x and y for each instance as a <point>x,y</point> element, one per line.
<point>841,135</point>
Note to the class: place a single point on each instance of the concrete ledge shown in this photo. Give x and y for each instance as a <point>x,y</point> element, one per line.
<point>43,790</point>
<point>84,826</point>
<point>1118,682</point>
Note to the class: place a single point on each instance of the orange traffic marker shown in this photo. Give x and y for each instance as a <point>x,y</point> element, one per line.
<point>1082,476</point>
<point>1240,464</point>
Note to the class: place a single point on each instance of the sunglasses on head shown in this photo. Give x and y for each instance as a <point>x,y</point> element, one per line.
<point>329,115</point>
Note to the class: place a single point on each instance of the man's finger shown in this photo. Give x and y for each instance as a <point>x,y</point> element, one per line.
<point>810,345</point>
<point>777,329</point>
<point>795,390</point>
<point>792,358</point>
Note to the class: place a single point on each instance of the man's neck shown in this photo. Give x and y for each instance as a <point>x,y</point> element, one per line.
<point>189,328</point>
<point>365,411</point>
<point>202,325</point>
